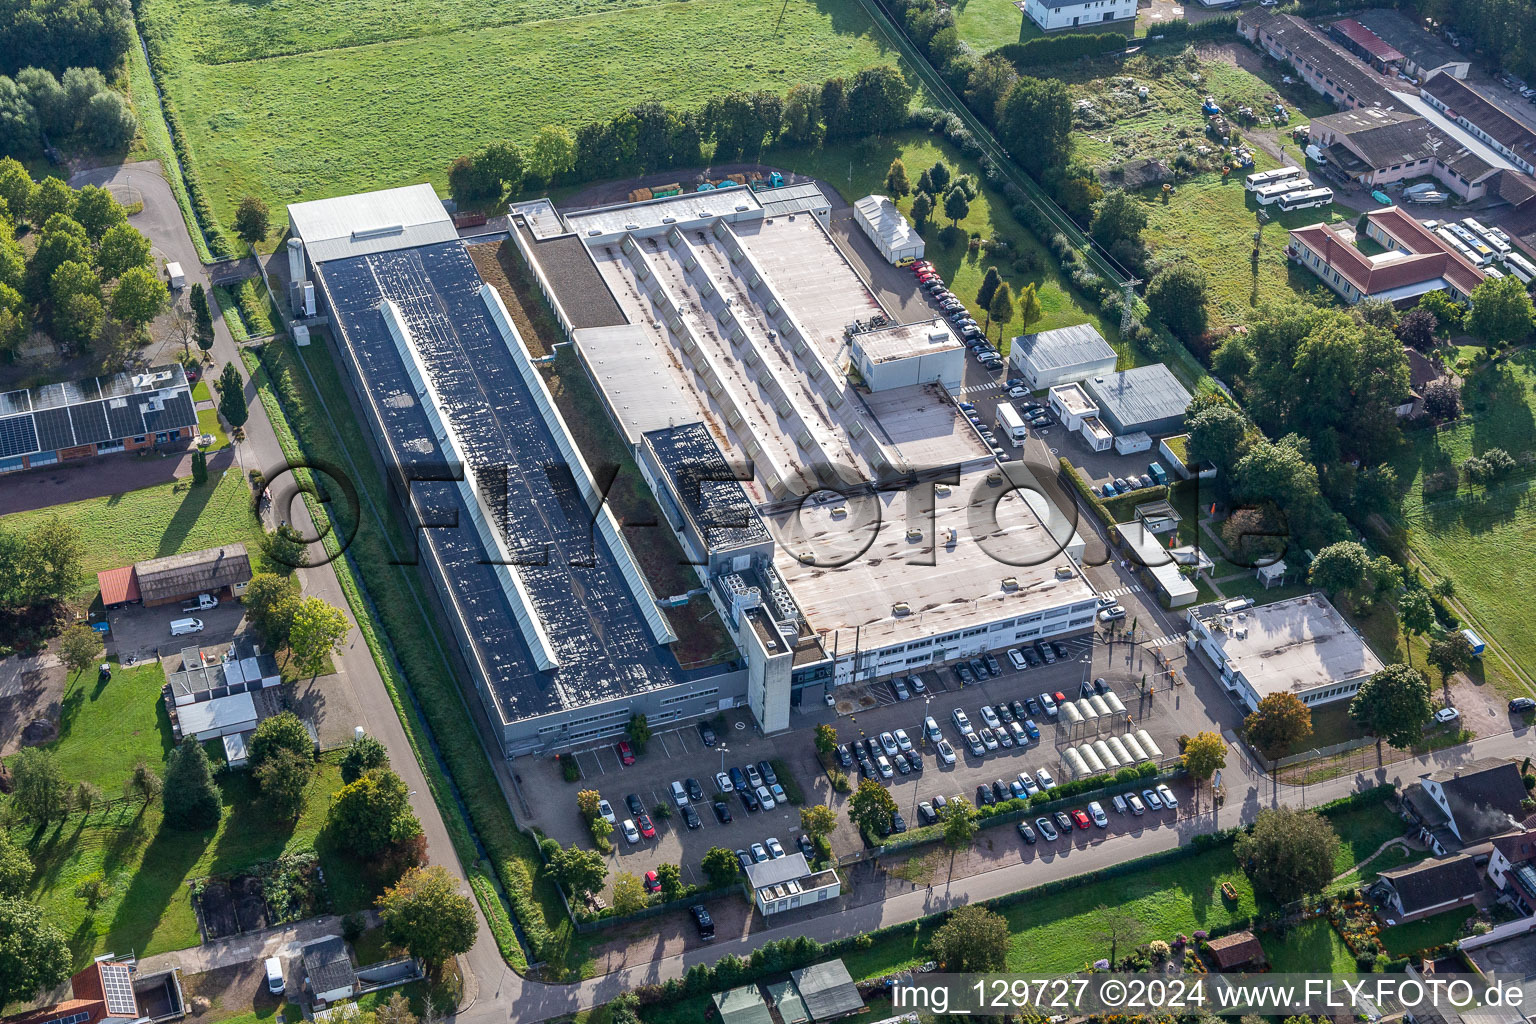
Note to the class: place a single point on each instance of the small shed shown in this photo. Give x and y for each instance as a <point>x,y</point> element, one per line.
<point>118,586</point>
<point>1240,949</point>
<point>235,753</point>
<point>328,972</point>
<point>827,990</point>
<point>896,239</point>
<point>744,1005</point>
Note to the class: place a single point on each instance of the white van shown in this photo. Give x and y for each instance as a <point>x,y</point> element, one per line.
<point>274,975</point>
<point>181,627</point>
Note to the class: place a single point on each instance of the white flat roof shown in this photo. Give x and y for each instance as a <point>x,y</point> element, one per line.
<point>904,341</point>
<point>881,214</point>
<point>947,584</point>
<point>1074,399</point>
<point>1293,646</point>
<point>925,427</point>
<point>655,215</point>
<point>217,714</point>
<point>370,222</point>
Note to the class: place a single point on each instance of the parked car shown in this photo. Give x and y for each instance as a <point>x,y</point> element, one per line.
<point>1134,803</point>
<point>974,744</point>
<point>1520,705</point>
<point>635,806</point>
<point>754,777</point>
<point>749,800</point>
<point>1118,803</point>
<point>1096,812</point>
<point>759,853</point>
<point>1003,711</point>
<point>1046,828</point>
<point>775,848</point>
<point>1446,715</point>
<point>1026,833</point>
<point>984,796</point>
<point>1046,654</point>
<point>961,719</point>
<point>900,689</point>
<point>646,828</point>
<point>722,813</point>
<point>1049,704</point>
<point>900,761</point>
<point>1113,613</point>
<point>1153,801</point>
<point>946,752</point>
<point>1016,659</point>
<point>744,859</point>
<point>898,823</point>
<point>1016,790</point>
<point>652,881</point>
<point>679,794</point>
<point>1021,709</point>
<point>1169,800</point>
<point>706,734</point>
<point>990,717</point>
<point>631,834</point>
<point>626,753</point>
<point>1031,787</point>
<point>931,729</point>
<point>1045,779</point>
<point>902,742</point>
<point>738,779</point>
<point>988,738</point>
<point>1004,738</point>
<point>925,814</point>
<point>703,922</point>
<point>1063,822</point>
<point>765,768</point>
<point>764,797</point>
<point>274,969</point>
<point>780,798</point>
<point>605,811</point>
<point>917,684</point>
<point>691,818</point>
<point>803,842</point>
<point>992,665</point>
<point>979,670</point>
<point>1000,790</point>
<point>915,760</point>
<point>1018,733</point>
<point>963,674</point>
<point>844,756</point>
<point>695,791</point>
<point>1031,729</point>
<point>1080,818</point>
<point>883,765</point>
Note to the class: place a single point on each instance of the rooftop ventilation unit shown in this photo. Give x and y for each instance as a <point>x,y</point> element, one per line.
<point>1065,572</point>
<point>1011,583</point>
<point>669,220</point>
<point>942,490</point>
<point>840,512</point>
<point>914,534</point>
<point>901,608</point>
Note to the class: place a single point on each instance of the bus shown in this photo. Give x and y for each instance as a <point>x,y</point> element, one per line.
<point>1520,267</point>
<point>1488,236</point>
<point>1259,179</point>
<point>1010,424</point>
<point>1454,241</point>
<point>1269,194</point>
<point>1306,200</point>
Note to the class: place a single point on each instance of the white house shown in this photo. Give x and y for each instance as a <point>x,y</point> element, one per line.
<point>1054,15</point>
<point>788,882</point>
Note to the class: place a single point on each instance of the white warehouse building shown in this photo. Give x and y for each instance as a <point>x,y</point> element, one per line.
<point>1061,356</point>
<point>1057,15</point>
<point>918,353</point>
<point>888,229</point>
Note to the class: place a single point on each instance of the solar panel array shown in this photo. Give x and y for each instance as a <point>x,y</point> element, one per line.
<point>117,985</point>
<point>594,627</point>
<point>91,411</point>
<point>707,484</point>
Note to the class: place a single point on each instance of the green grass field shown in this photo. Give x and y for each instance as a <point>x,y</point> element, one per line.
<point>1425,933</point>
<point>104,731</point>
<point>287,102</point>
<point>1312,947</point>
<point>858,170</point>
<point>154,521</point>
<point>988,24</point>
<point>1484,540</point>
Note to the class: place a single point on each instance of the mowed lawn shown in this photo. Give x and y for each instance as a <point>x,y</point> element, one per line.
<point>1311,947</point>
<point>858,170</point>
<point>390,105</point>
<point>155,521</point>
<point>1484,540</point>
<point>988,24</point>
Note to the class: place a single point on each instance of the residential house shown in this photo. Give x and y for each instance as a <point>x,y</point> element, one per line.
<point>1467,803</point>
<point>1098,15</point>
<point>1512,867</point>
<point>1417,260</point>
<point>1430,887</point>
<point>112,989</point>
<point>328,971</point>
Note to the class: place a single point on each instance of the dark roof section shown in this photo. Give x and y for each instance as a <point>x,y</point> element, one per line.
<point>713,498</point>
<point>1368,41</point>
<point>1433,882</point>
<point>827,990</point>
<point>1467,102</point>
<point>1324,56</point>
<point>568,266</point>
<point>1419,45</point>
<point>328,965</point>
<point>1484,796</point>
<point>96,409</point>
<point>1236,949</point>
<point>193,572</point>
<point>1517,847</point>
<point>1386,137</point>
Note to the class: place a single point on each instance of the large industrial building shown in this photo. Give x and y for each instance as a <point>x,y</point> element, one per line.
<point>844,518</point>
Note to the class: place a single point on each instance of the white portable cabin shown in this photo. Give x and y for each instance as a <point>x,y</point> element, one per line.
<point>1145,739</point>
<point>1075,763</point>
<point>175,277</point>
<point>1106,755</point>
<point>1116,705</point>
<point>1134,748</point>
<point>1070,713</point>
<point>1270,194</point>
<point>1099,705</point>
<point>1121,751</point>
<point>1095,763</point>
<point>1260,179</point>
<point>1306,200</point>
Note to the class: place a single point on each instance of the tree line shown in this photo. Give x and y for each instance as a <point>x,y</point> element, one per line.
<point>1503,30</point>
<point>36,106</point>
<point>90,276</point>
<point>655,137</point>
<point>59,34</point>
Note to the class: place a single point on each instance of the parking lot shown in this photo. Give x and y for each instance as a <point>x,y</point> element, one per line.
<point>140,633</point>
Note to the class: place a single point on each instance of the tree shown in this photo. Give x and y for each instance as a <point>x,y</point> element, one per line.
<point>202,315</point>
<point>1417,329</point>
<point>989,283</point>
<point>922,208</point>
<point>86,797</point>
<point>1501,312</point>
<point>232,396</point>
<point>282,731</point>
<point>199,467</point>
<point>139,297</point>
<point>122,248</point>
<point>553,153</point>
<point>1288,853</point>
<point>818,821</point>
<point>78,319</point>
<point>1442,398</point>
<point>1417,612</point>
<point>98,212</point>
<point>956,205</point>
<point>144,784</point>
<point>960,826</point>
<point>282,778</point>
<point>270,601</point>
<point>1393,705</point>
<point>1027,307</point>
<point>252,222</point>
<point>1118,217</point>
<point>362,755</point>
<point>872,807</point>
<point>1035,123</point>
<point>639,731</point>
<point>1341,568</point>
<point>108,121</point>
<point>628,894</point>
<point>191,799</point>
<point>1204,755</point>
<point>16,188</point>
<point>317,632</point>
<point>1115,925</point>
<point>1280,722</point>
<point>1001,307</point>
<point>79,647</point>
<point>896,182</point>
<point>40,793</point>
<point>670,877</point>
<point>1450,316</point>
<point>720,866</point>
<point>939,175</point>
<point>15,866</point>
<point>372,814</point>
<point>396,1011</point>
<point>1177,297</point>
<point>1450,654</point>
<point>826,738</point>
<point>426,913</point>
<point>51,196</point>
<point>973,940</point>
<point>33,955</point>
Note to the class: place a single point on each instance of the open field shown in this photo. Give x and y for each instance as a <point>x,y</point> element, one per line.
<point>988,24</point>
<point>1483,540</point>
<point>288,102</point>
<point>1311,947</point>
<point>1425,933</point>
<point>858,170</point>
<point>155,521</point>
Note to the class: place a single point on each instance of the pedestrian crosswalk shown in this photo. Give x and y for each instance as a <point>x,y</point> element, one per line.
<point>1164,641</point>
<point>1134,588</point>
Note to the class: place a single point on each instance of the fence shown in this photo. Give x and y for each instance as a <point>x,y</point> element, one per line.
<point>1317,752</point>
<point>587,927</point>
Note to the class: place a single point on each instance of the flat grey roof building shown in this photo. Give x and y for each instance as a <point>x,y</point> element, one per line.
<point>1061,356</point>
<point>1146,398</point>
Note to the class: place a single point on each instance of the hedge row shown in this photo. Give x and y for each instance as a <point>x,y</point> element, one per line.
<point>1085,492</point>
<point>1220,27</point>
<point>1029,55</point>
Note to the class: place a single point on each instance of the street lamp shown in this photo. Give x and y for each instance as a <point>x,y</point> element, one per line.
<point>722,757</point>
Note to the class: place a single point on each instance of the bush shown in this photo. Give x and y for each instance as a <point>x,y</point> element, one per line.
<point>569,769</point>
<point>1027,56</point>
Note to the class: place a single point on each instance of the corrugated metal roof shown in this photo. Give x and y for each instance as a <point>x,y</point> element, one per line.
<point>1144,394</point>
<point>886,221</point>
<point>802,198</point>
<point>370,222</point>
<point>118,586</point>
<point>1065,346</point>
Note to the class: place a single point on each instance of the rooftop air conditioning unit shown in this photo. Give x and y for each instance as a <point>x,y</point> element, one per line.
<point>914,534</point>
<point>1011,583</point>
<point>594,231</point>
<point>901,608</point>
<point>942,490</point>
<point>1064,572</point>
<point>840,512</point>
